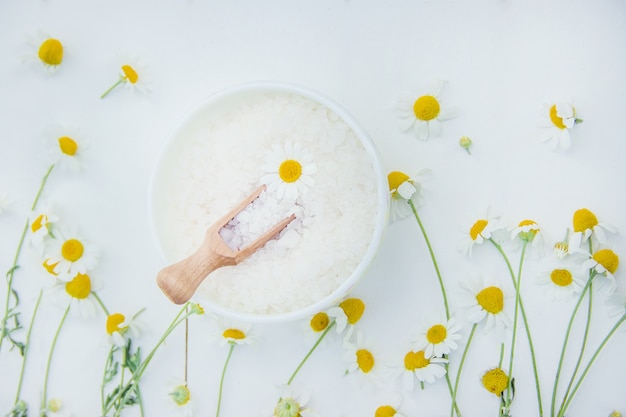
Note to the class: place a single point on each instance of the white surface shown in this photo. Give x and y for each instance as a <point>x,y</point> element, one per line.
<point>503,60</point>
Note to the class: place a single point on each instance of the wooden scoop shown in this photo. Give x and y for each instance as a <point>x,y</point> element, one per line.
<point>180,280</point>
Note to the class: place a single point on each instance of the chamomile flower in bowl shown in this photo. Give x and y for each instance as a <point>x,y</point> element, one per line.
<point>310,159</point>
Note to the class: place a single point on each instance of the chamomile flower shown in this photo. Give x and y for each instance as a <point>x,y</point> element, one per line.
<point>289,170</point>
<point>133,75</point>
<point>559,119</point>
<point>66,146</point>
<point>46,50</point>
<point>466,143</point>
<point>495,381</point>
<point>561,249</point>
<point>40,224</point>
<point>421,367</point>
<point>604,262</point>
<point>485,302</point>
<point>363,360</point>
<point>5,201</point>
<point>403,190</point>
<point>119,329</point>
<point>347,314</point>
<point>316,326</point>
<point>561,283</point>
<point>233,333</point>
<point>437,336</point>
<point>70,254</point>
<point>424,113</point>
<point>480,230</point>
<point>180,402</point>
<point>586,224</point>
<point>293,403</point>
<point>79,292</point>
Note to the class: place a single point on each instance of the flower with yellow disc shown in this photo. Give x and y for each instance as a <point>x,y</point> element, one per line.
<point>495,381</point>
<point>418,366</point>
<point>485,301</point>
<point>364,360</point>
<point>120,328</point>
<point>424,113</point>
<point>289,170</point>
<point>293,403</point>
<point>132,75</point>
<point>79,290</point>
<point>562,282</point>
<point>69,254</point>
<point>180,399</point>
<point>559,119</point>
<point>347,314</point>
<point>404,191</point>
<point>40,223</point>
<point>437,336</point>
<point>584,225</point>
<point>480,231</point>
<point>604,262</point>
<point>46,50</point>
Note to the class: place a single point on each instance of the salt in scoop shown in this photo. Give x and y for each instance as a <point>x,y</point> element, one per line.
<point>180,281</point>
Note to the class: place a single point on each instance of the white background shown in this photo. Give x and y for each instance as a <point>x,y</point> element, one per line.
<point>503,60</point>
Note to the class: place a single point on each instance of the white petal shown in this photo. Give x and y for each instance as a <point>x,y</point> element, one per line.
<point>421,129</point>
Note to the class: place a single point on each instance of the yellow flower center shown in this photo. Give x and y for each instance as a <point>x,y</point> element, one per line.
<point>426,108</point>
<point>556,120</point>
<point>290,170</point>
<point>561,277</point>
<point>79,287</point>
<point>130,74</point>
<point>181,395</point>
<point>55,405</point>
<point>287,407</point>
<point>478,228</point>
<point>385,411</point>
<point>365,360</point>
<point>608,259</point>
<point>235,334</point>
<point>395,180</point>
<point>495,381</point>
<point>113,323</point>
<point>584,219</point>
<point>319,322</point>
<point>353,308</point>
<point>68,145</point>
<point>39,222</point>
<point>436,334</point>
<point>51,52</point>
<point>491,299</point>
<point>415,360</point>
<point>50,267</point>
<point>72,250</point>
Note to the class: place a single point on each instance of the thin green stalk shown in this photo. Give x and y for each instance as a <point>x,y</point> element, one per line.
<point>99,300</point>
<point>591,361</point>
<point>219,396</point>
<point>44,401</point>
<point>27,348</point>
<point>319,340</point>
<point>134,380</point>
<point>515,318</point>
<point>104,375</point>
<point>526,326</point>
<point>501,355</point>
<point>11,272</point>
<point>458,373</point>
<point>121,80</point>
<point>449,383</point>
<point>432,257</point>
<point>563,347</point>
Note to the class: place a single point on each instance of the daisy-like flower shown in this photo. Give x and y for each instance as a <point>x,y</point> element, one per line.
<point>288,170</point>
<point>133,76</point>
<point>232,333</point>
<point>480,231</point>
<point>560,118</point>
<point>485,302</point>
<point>604,262</point>
<point>495,381</point>
<point>5,201</point>
<point>561,249</point>
<point>180,400</point>
<point>292,403</point>
<point>119,329</point>
<point>65,145</point>
<point>391,408</point>
<point>347,314</point>
<point>40,224</point>
<point>424,114</point>
<point>69,255</point>
<point>46,50</point>
<point>403,190</point>
<point>79,290</point>
<point>586,224</point>
<point>363,360</point>
<point>561,283</point>
<point>527,230</point>
<point>437,336</point>
<point>419,366</point>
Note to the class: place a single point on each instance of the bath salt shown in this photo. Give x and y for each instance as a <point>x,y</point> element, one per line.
<point>335,211</point>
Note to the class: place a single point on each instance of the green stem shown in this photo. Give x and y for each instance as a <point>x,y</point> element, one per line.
<point>134,380</point>
<point>121,80</point>
<point>432,257</point>
<point>107,365</point>
<point>219,396</point>
<point>501,359</point>
<point>99,300</point>
<point>44,401</point>
<point>27,348</point>
<point>449,383</point>
<point>458,373</point>
<point>526,327</point>
<point>563,347</point>
<point>11,272</point>
<point>591,361</point>
<point>515,319</point>
<point>319,340</point>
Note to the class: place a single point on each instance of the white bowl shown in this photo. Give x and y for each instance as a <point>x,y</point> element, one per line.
<point>192,125</point>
